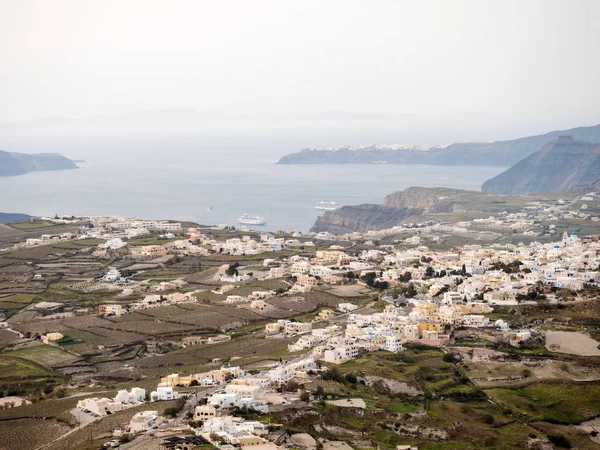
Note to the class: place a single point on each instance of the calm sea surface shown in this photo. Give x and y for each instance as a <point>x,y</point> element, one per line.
<point>169,187</point>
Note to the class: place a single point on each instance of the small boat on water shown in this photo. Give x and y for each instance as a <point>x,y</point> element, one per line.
<point>327,206</point>
<point>251,220</point>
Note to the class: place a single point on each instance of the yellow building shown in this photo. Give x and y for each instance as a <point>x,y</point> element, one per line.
<point>327,256</point>
<point>177,380</point>
<point>326,314</point>
<point>430,326</point>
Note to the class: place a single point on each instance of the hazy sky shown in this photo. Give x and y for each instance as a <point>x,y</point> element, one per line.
<point>504,64</point>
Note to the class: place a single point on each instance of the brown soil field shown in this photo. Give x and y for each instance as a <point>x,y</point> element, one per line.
<point>195,358</point>
<point>351,290</point>
<point>6,337</point>
<point>47,408</point>
<point>17,434</point>
<point>573,343</point>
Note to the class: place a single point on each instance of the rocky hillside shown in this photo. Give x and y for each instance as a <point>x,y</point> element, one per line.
<point>562,165</point>
<point>22,163</point>
<point>502,153</point>
<point>412,205</point>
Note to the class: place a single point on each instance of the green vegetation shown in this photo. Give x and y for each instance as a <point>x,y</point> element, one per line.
<point>565,403</point>
<point>559,440</point>
<point>45,355</point>
<point>13,303</point>
<point>19,376</point>
<point>34,225</point>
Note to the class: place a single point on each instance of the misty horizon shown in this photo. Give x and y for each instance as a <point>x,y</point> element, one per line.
<point>418,72</point>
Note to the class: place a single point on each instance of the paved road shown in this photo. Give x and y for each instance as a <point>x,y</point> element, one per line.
<point>132,443</point>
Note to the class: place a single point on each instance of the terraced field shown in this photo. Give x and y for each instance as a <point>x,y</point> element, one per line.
<point>19,375</point>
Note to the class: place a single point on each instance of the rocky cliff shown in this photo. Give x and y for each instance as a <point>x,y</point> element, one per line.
<point>562,165</point>
<point>474,153</point>
<point>362,218</point>
<point>411,205</point>
<point>22,163</point>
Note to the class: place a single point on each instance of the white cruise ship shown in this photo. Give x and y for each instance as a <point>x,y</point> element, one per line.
<point>251,220</point>
<point>327,206</point>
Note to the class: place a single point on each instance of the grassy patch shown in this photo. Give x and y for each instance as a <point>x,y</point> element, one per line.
<point>402,408</point>
<point>566,403</point>
<point>33,225</point>
<point>16,302</point>
<point>45,355</point>
<point>19,376</point>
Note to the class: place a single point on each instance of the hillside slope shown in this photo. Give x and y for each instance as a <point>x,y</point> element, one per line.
<point>475,153</point>
<point>560,166</point>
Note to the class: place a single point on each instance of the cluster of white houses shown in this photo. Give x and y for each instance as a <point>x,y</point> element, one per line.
<point>102,406</point>
<point>423,321</point>
<point>471,271</point>
<point>232,432</point>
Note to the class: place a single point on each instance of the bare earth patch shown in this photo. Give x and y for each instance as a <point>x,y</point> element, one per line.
<point>336,445</point>
<point>349,403</point>
<point>590,426</point>
<point>397,387</point>
<point>16,401</point>
<point>304,440</point>
<point>573,343</point>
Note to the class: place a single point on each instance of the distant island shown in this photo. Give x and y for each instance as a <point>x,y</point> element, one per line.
<point>13,217</point>
<point>501,153</point>
<point>12,164</point>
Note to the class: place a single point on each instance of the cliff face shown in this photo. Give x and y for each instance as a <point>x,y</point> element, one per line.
<point>22,163</point>
<point>414,204</point>
<point>425,200</point>
<point>502,153</point>
<point>362,218</point>
<point>560,166</point>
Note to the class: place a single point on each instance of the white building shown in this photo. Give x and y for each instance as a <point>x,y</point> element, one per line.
<point>280,374</point>
<point>114,244</point>
<point>111,276</point>
<point>393,344</point>
<point>164,391</point>
<point>100,406</point>
<point>347,307</point>
<point>341,354</point>
<point>136,395</point>
<point>475,320</point>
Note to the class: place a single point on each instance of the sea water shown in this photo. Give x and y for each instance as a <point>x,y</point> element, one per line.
<point>209,182</point>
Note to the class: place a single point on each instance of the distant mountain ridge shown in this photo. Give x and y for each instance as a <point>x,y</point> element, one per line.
<point>21,163</point>
<point>562,165</point>
<point>13,217</point>
<point>502,153</point>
